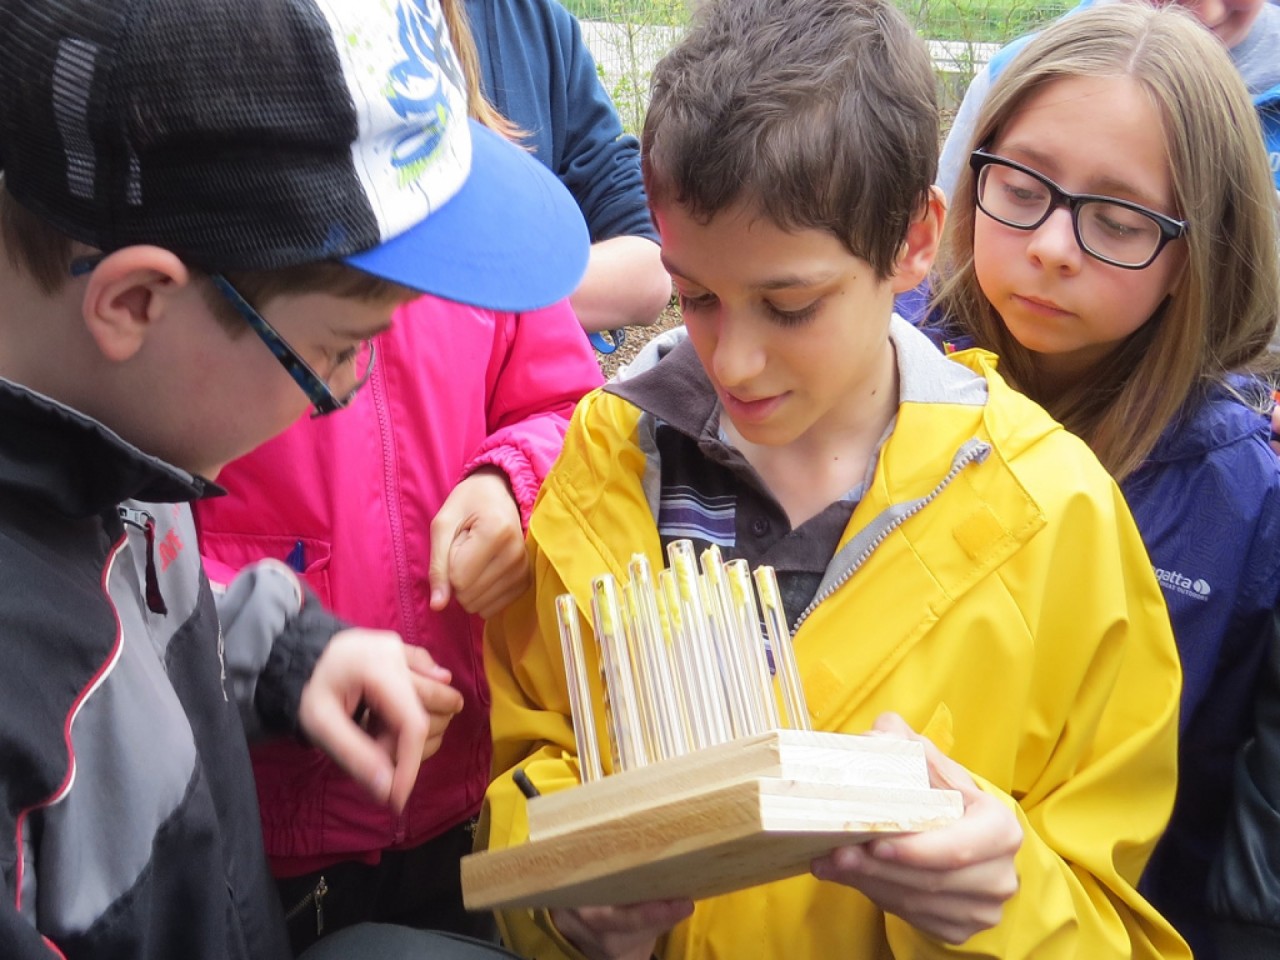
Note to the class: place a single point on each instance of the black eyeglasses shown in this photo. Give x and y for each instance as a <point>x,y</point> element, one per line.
<point>1119,232</point>
<point>323,399</point>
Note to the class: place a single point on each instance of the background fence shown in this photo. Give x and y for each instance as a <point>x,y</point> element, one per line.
<point>627,37</point>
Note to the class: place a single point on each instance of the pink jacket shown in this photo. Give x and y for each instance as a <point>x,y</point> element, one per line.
<point>348,500</point>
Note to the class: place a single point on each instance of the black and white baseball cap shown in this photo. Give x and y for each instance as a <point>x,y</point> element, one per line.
<point>256,134</point>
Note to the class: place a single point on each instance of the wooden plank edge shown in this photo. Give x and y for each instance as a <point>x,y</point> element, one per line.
<point>786,754</point>
<point>729,838</point>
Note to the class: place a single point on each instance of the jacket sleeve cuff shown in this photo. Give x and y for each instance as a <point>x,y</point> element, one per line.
<point>521,476</point>
<point>272,631</point>
<point>292,660</point>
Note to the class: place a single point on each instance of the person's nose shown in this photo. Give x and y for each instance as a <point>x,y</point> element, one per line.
<point>1053,244</point>
<point>739,354</point>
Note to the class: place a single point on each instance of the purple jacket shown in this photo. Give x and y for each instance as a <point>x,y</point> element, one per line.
<point>348,500</point>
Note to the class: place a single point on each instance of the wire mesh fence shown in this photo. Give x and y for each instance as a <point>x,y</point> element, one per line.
<point>627,37</point>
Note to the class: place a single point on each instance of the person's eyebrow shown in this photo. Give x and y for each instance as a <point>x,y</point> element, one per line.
<point>362,333</point>
<point>788,281</point>
<point>670,266</point>
<point>1104,185</point>
<point>792,281</point>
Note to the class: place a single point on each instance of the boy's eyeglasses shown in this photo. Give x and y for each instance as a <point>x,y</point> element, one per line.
<point>322,397</point>
<point>1119,232</point>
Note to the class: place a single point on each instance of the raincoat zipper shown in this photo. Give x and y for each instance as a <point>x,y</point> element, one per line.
<point>972,451</point>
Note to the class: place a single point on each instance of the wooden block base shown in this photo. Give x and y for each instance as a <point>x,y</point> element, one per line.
<point>732,816</point>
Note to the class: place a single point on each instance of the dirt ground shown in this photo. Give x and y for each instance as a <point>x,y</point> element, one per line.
<point>636,338</point>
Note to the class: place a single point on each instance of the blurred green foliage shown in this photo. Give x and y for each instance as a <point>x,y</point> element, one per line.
<point>628,36</point>
<point>980,21</point>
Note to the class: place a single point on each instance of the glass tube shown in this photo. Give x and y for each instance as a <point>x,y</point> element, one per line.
<point>657,641</point>
<point>712,694</point>
<point>775,622</point>
<point>584,724</point>
<point>624,714</point>
<point>724,635</point>
<point>687,666</point>
<point>652,717</point>
<point>742,602</point>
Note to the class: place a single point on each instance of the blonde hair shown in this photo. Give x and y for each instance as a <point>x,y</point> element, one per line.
<point>1223,308</point>
<point>464,44</point>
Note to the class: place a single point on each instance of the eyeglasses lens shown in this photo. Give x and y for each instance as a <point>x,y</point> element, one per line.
<point>361,367</point>
<point>1107,230</point>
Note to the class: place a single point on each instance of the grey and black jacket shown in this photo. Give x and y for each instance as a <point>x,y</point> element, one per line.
<point>128,819</point>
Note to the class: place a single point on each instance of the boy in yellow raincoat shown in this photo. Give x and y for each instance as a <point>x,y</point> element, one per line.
<point>951,561</point>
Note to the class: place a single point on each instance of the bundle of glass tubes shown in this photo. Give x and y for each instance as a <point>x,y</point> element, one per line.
<point>687,660</point>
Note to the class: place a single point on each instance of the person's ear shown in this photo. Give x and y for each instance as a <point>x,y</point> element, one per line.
<point>921,245</point>
<point>127,293</point>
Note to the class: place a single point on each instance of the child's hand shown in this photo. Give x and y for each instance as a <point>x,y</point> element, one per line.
<point>948,883</point>
<point>477,546</point>
<point>620,933</point>
<point>409,703</point>
<point>1275,426</point>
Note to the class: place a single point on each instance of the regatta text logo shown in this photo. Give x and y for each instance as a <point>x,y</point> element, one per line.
<point>1173,580</point>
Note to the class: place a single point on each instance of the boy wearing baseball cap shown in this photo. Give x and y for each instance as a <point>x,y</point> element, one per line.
<point>207,211</point>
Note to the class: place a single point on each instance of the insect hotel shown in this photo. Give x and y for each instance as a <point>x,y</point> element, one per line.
<point>719,782</point>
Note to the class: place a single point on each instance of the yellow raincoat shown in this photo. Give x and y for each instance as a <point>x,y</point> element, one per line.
<point>1013,618</point>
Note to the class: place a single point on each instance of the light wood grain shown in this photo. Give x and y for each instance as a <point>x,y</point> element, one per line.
<point>720,819</point>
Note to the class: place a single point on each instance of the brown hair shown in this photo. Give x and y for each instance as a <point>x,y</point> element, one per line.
<point>822,112</point>
<point>32,245</point>
<point>1223,309</point>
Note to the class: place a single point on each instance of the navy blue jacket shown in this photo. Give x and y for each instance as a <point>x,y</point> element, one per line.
<point>1207,504</point>
<point>537,71</point>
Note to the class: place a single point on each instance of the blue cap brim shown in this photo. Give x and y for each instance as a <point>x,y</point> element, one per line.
<point>511,239</point>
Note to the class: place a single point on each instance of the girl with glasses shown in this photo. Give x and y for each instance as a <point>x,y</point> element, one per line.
<point>1113,240</point>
